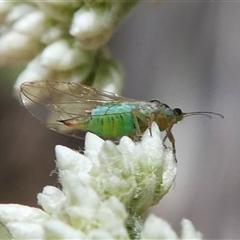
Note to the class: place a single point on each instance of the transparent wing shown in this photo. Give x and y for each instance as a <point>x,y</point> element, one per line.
<point>51,101</point>
<point>4,232</point>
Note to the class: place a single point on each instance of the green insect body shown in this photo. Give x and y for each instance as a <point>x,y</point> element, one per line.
<point>119,119</point>
<point>72,108</point>
<point>107,121</point>
<point>112,121</point>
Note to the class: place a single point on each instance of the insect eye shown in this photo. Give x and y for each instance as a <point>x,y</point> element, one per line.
<point>177,111</point>
<point>155,101</point>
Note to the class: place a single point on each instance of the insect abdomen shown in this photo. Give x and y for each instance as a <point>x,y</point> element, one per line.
<point>112,125</point>
<point>112,121</point>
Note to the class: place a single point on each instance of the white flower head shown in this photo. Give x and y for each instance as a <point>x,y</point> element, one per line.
<point>62,41</point>
<point>101,190</point>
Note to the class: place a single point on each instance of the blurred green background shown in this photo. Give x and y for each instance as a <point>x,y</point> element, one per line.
<point>187,55</point>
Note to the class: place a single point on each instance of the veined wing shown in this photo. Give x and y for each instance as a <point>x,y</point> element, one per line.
<point>51,101</point>
<point>4,232</point>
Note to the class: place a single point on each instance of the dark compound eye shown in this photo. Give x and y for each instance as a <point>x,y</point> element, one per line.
<point>177,111</point>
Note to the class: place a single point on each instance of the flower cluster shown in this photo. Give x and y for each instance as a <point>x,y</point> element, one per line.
<point>62,40</point>
<point>105,194</point>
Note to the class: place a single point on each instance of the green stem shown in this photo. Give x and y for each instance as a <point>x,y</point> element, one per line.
<point>134,225</point>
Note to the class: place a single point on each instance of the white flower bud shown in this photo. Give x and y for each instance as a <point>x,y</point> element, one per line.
<point>16,47</point>
<point>18,213</point>
<point>51,199</point>
<point>19,11</point>
<point>92,27</point>
<point>156,228</point>
<point>33,72</point>
<point>72,160</point>
<point>33,24</point>
<point>62,56</point>
<point>188,231</point>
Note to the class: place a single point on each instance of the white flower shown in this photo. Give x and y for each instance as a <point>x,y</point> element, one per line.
<point>104,190</point>
<point>61,41</point>
<point>188,230</point>
<point>93,24</point>
<point>105,193</point>
<point>32,24</point>
<point>92,27</point>
<point>62,56</point>
<point>16,47</point>
<point>156,228</point>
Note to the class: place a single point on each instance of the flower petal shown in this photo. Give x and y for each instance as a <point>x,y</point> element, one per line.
<point>188,231</point>
<point>16,212</point>
<point>156,228</point>
<point>24,230</point>
<point>55,229</point>
<point>68,159</point>
<point>62,56</point>
<point>51,199</point>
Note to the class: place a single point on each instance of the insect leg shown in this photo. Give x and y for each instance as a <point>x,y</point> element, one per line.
<point>146,120</point>
<point>169,135</point>
<point>150,121</point>
<point>136,123</point>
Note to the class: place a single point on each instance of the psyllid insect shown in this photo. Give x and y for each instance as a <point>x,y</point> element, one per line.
<point>73,108</point>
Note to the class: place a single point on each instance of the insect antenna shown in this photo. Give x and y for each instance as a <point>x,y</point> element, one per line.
<point>206,114</point>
